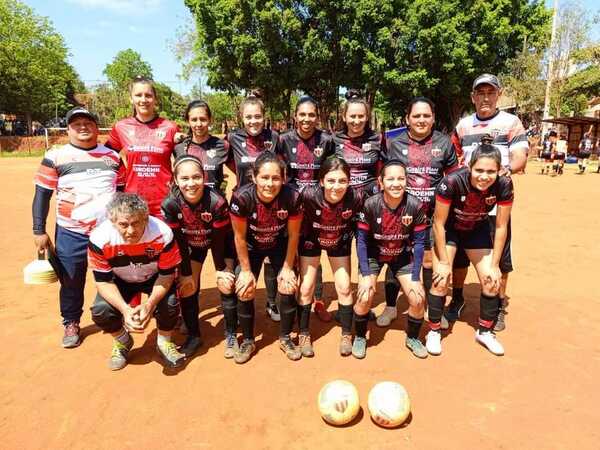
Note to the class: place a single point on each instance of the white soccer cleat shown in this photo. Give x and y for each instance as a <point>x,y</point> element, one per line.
<point>489,341</point>
<point>389,314</point>
<point>433,342</point>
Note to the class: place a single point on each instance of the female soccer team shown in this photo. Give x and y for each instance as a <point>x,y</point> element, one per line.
<point>308,191</point>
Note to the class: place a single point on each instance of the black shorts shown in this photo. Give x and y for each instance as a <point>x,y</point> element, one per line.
<point>479,237</point>
<point>559,157</point>
<point>546,156</point>
<point>583,155</point>
<point>402,265</point>
<point>276,257</point>
<point>310,247</point>
<point>461,261</point>
<point>198,254</point>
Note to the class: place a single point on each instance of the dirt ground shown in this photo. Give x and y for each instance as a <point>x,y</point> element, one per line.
<point>543,394</point>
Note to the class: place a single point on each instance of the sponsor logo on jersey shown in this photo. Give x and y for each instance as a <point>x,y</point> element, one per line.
<point>436,152</point>
<point>211,153</point>
<point>366,147</point>
<point>161,134</point>
<point>490,200</point>
<point>109,162</point>
<point>268,145</point>
<point>150,252</point>
<point>443,186</point>
<point>407,220</point>
<point>282,214</point>
<point>361,216</point>
<point>293,149</point>
<point>179,216</point>
<point>346,214</point>
<point>318,151</point>
<point>206,216</point>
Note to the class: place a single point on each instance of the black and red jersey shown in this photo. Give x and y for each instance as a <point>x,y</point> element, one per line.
<point>304,157</point>
<point>469,206</point>
<point>426,162</point>
<point>266,222</point>
<point>246,148</point>
<point>331,225</point>
<point>391,231</point>
<point>213,153</point>
<point>197,222</point>
<point>149,146</point>
<point>364,155</point>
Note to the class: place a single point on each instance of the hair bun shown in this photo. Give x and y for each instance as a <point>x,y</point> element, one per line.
<point>352,94</point>
<point>255,93</point>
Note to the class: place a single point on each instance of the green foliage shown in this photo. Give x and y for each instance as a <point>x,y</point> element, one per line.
<point>35,77</point>
<point>125,66</point>
<point>586,81</point>
<point>524,83</point>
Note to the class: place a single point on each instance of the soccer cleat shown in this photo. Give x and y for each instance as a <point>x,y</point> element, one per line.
<point>273,312</point>
<point>118,356</point>
<point>387,316</point>
<point>501,321</point>
<point>191,346</point>
<point>71,337</point>
<point>416,347</point>
<point>244,351</point>
<point>346,345</point>
<point>359,347</point>
<point>231,346</point>
<point>454,310</point>
<point>489,341</point>
<point>433,342</point>
<point>291,351</point>
<point>305,345</point>
<point>321,311</point>
<point>170,355</point>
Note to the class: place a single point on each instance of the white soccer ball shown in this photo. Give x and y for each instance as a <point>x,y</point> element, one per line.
<point>389,404</point>
<point>338,402</point>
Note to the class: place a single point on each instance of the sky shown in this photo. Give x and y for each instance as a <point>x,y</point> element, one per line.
<point>96,30</point>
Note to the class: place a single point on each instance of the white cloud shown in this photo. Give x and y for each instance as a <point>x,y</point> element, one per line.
<point>120,6</point>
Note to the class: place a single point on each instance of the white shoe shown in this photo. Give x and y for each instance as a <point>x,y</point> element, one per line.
<point>433,342</point>
<point>444,325</point>
<point>488,339</point>
<point>387,316</point>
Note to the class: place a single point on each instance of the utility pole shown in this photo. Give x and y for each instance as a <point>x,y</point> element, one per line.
<point>550,67</point>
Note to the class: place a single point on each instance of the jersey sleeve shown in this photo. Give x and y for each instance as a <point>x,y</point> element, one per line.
<point>171,211</point>
<point>97,261</point>
<point>518,137</point>
<point>121,174</point>
<point>457,144</point>
<point>114,139</point>
<point>180,149</point>
<point>169,258</point>
<point>506,194</point>
<point>450,158</point>
<point>295,207</point>
<point>420,218</point>
<point>445,191</point>
<point>47,175</point>
<point>221,213</point>
<point>364,219</point>
<point>239,209</point>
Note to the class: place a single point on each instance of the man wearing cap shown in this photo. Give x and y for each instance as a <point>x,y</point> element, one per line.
<point>507,133</point>
<point>85,175</point>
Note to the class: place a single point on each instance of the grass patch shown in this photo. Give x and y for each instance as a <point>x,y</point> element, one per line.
<point>13,154</point>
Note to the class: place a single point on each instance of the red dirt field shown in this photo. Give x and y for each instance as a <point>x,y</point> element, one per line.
<point>542,395</point>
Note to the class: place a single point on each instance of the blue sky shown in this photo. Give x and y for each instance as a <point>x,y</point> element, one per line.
<point>96,30</point>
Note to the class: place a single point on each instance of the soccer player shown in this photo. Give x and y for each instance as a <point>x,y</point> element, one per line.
<point>392,222</point>
<point>266,218</point>
<point>548,151</point>
<point>330,210</point>
<point>149,141</point>
<point>212,151</point>
<point>586,146</point>
<point>509,136</point>
<point>304,149</point>
<point>199,218</point>
<point>130,254</point>
<point>428,155</point>
<point>463,201</point>
<point>84,175</point>
<point>246,144</point>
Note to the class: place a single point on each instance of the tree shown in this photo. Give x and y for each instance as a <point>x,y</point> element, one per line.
<point>125,66</point>
<point>523,81</point>
<point>35,77</point>
<point>586,82</point>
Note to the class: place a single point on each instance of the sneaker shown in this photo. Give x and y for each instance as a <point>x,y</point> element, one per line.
<point>231,346</point>
<point>305,345</point>
<point>191,346</point>
<point>291,351</point>
<point>71,338</point>
<point>244,351</point>
<point>273,312</point>
<point>416,347</point>
<point>170,355</point>
<point>359,347</point>
<point>501,321</point>
<point>321,311</point>
<point>118,356</point>
<point>387,316</point>
<point>454,310</point>
<point>433,342</point>
<point>346,345</point>
<point>489,341</point>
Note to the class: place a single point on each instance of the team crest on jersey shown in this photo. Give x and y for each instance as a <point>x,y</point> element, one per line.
<point>282,214</point>
<point>318,212</point>
<point>463,198</point>
<point>407,220</point>
<point>131,133</point>
<point>308,245</point>
<point>436,152</point>
<point>268,145</point>
<point>206,216</point>
<point>366,147</point>
<point>490,200</point>
<point>150,252</point>
<point>341,146</point>
<point>254,215</point>
<point>211,153</point>
<point>346,214</point>
<point>235,207</point>
<point>294,150</point>
<point>243,145</point>
<point>109,161</point>
<point>161,134</point>
<point>120,253</point>
<point>443,187</point>
<point>318,151</point>
<point>379,220</point>
<point>405,151</point>
<point>145,158</point>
